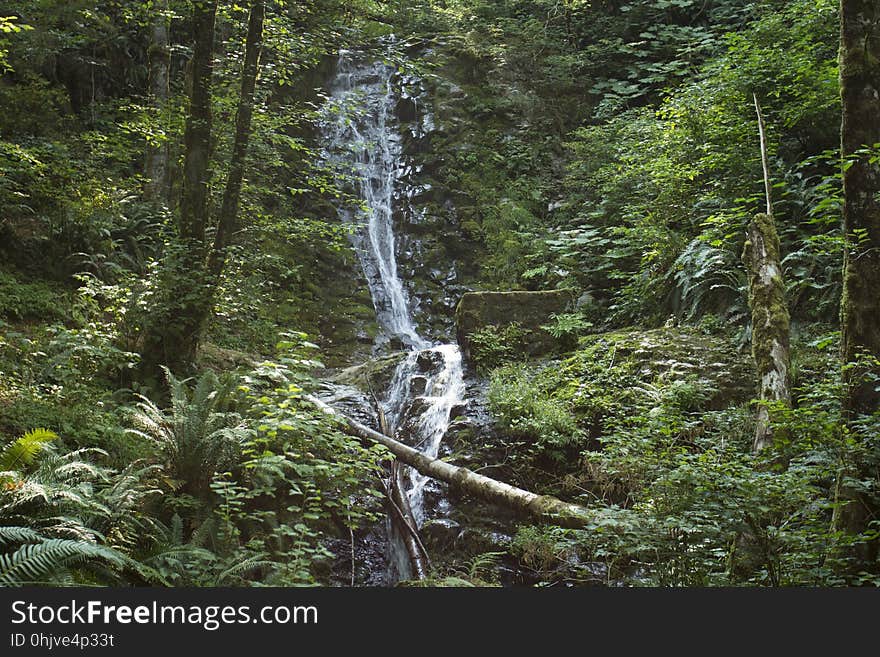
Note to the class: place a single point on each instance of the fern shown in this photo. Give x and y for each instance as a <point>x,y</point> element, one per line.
<point>39,563</point>
<point>21,453</point>
<point>706,279</point>
<point>483,562</point>
<point>63,511</point>
<point>240,565</point>
<point>198,435</point>
<point>17,535</point>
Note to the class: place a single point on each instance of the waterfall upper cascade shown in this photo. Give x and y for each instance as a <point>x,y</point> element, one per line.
<point>363,143</point>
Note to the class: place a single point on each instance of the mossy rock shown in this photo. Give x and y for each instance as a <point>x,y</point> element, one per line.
<point>681,353</point>
<point>212,356</point>
<point>373,375</point>
<point>530,310</point>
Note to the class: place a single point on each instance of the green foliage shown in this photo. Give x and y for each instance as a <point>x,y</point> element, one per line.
<point>706,280</point>
<point>51,509</point>
<point>263,477</point>
<point>679,498</point>
<point>29,301</point>
<point>526,408</point>
<point>544,551</point>
<point>634,188</point>
<point>567,326</point>
<point>658,196</point>
<point>198,436</point>
<point>44,560</point>
<point>492,346</point>
<point>21,452</point>
<point>8,25</point>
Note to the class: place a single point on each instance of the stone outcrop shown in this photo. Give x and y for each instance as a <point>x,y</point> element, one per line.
<point>530,310</point>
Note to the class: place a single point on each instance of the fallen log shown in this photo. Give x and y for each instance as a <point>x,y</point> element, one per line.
<point>545,507</point>
<point>406,525</point>
<point>402,518</point>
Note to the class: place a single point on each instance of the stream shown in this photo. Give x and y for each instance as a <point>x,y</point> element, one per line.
<point>363,145</point>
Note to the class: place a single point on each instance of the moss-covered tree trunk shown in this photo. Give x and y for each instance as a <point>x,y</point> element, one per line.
<point>860,129</point>
<point>172,333</point>
<point>156,166</point>
<point>192,272</point>
<point>193,218</point>
<point>770,322</point>
<point>860,304</point>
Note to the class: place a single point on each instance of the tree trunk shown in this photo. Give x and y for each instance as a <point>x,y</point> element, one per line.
<point>405,524</point>
<point>228,220</point>
<point>192,275</point>
<point>543,507</point>
<point>860,303</point>
<point>770,321</point>
<point>197,137</point>
<point>860,129</point>
<point>171,336</point>
<point>156,166</point>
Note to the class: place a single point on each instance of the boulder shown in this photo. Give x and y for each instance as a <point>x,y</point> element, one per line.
<point>441,533</point>
<point>530,310</point>
<point>372,376</point>
<point>428,361</point>
<point>418,384</point>
<point>683,353</point>
<point>458,411</point>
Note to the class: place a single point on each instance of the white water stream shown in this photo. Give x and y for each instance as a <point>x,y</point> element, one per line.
<point>363,143</point>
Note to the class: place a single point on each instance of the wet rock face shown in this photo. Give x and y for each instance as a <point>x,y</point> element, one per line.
<point>373,375</point>
<point>418,384</point>
<point>429,361</point>
<point>441,533</point>
<point>350,401</point>
<point>438,261</point>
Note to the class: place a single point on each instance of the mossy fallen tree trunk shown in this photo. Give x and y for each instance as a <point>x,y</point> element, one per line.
<point>544,507</point>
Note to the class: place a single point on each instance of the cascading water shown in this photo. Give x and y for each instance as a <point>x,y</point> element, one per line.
<point>363,144</point>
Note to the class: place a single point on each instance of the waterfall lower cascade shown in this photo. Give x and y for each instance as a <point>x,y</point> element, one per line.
<point>363,144</point>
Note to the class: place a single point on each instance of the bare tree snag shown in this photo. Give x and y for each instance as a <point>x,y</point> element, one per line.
<point>765,165</point>
<point>770,316</point>
<point>770,321</point>
<point>544,507</point>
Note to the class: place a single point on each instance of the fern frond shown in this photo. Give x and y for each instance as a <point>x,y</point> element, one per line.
<point>18,535</point>
<point>242,566</point>
<point>21,453</point>
<point>37,563</point>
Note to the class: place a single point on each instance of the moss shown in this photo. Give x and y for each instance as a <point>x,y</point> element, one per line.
<point>373,375</point>
<point>603,373</point>
<point>770,315</point>
<point>30,299</point>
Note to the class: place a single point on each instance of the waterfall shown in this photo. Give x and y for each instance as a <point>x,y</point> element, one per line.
<point>363,144</point>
